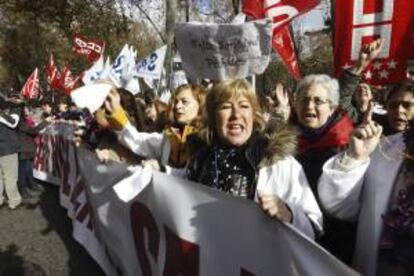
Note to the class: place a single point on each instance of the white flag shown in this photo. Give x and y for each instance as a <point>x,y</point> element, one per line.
<point>94,73</point>
<point>121,72</point>
<point>133,86</point>
<point>151,66</point>
<point>107,69</point>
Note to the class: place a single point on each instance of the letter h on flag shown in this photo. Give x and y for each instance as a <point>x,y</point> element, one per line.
<point>282,12</point>
<point>358,22</point>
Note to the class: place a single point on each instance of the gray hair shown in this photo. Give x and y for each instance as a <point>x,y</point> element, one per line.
<point>330,84</point>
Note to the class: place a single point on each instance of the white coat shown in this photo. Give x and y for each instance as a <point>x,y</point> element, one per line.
<point>361,194</point>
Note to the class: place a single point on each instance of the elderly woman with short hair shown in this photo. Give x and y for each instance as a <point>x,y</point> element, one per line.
<point>325,116</point>
<point>324,131</point>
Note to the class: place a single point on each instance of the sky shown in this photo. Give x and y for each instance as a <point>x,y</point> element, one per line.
<point>310,21</point>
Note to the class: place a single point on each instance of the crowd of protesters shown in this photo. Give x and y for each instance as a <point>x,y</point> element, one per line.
<point>304,157</point>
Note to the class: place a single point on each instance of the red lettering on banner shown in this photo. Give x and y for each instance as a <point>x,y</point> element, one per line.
<point>183,257</point>
<point>81,207</point>
<point>141,221</point>
<point>76,192</point>
<point>82,214</point>
<point>38,162</point>
<point>46,143</point>
<point>56,171</point>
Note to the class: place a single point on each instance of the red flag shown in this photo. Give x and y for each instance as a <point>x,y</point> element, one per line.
<point>53,74</point>
<point>68,82</point>
<point>359,22</point>
<point>283,44</point>
<point>92,49</point>
<point>253,8</point>
<point>282,12</point>
<point>30,89</point>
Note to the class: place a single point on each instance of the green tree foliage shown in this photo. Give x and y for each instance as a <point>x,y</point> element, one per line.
<point>32,29</point>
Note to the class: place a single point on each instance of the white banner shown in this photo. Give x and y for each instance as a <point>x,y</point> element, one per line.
<point>155,224</point>
<point>151,66</point>
<point>223,51</point>
<point>55,162</point>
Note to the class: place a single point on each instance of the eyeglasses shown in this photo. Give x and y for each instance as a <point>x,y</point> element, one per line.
<point>316,101</point>
<point>404,104</point>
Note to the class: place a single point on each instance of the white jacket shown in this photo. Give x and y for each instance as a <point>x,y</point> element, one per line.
<point>361,194</point>
<point>149,145</point>
<point>285,178</point>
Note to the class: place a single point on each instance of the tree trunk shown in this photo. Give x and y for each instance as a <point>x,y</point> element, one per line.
<point>171,8</point>
<point>237,6</point>
<point>187,10</point>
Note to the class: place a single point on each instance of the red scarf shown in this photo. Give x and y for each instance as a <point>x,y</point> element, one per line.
<point>336,137</point>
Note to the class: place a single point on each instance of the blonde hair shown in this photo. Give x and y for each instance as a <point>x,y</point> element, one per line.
<point>199,94</point>
<point>222,92</point>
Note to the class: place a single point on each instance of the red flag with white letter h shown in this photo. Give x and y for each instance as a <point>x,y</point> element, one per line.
<point>360,21</point>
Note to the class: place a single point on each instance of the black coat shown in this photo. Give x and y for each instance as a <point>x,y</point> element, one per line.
<point>9,140</point>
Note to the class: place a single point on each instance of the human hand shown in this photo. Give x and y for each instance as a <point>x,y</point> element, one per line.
<point>368,53</point>
<point>112,102</point>
<point>103,155</point>
<point>151,163</point>
<point>282,95</point>
<point>275,207</point>
<point>365,138</point>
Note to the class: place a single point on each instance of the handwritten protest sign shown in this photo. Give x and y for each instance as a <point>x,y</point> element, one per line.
<point>223,51</point>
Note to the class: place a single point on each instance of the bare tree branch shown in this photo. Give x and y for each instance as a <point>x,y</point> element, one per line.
<point>137,4</point>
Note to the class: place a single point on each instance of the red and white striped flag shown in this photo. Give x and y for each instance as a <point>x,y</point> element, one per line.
<point>53,74</point>
<point>67,81</point>
<point>30,89</point>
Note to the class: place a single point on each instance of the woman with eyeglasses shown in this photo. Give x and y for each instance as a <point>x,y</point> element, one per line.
<point>325,116</point>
